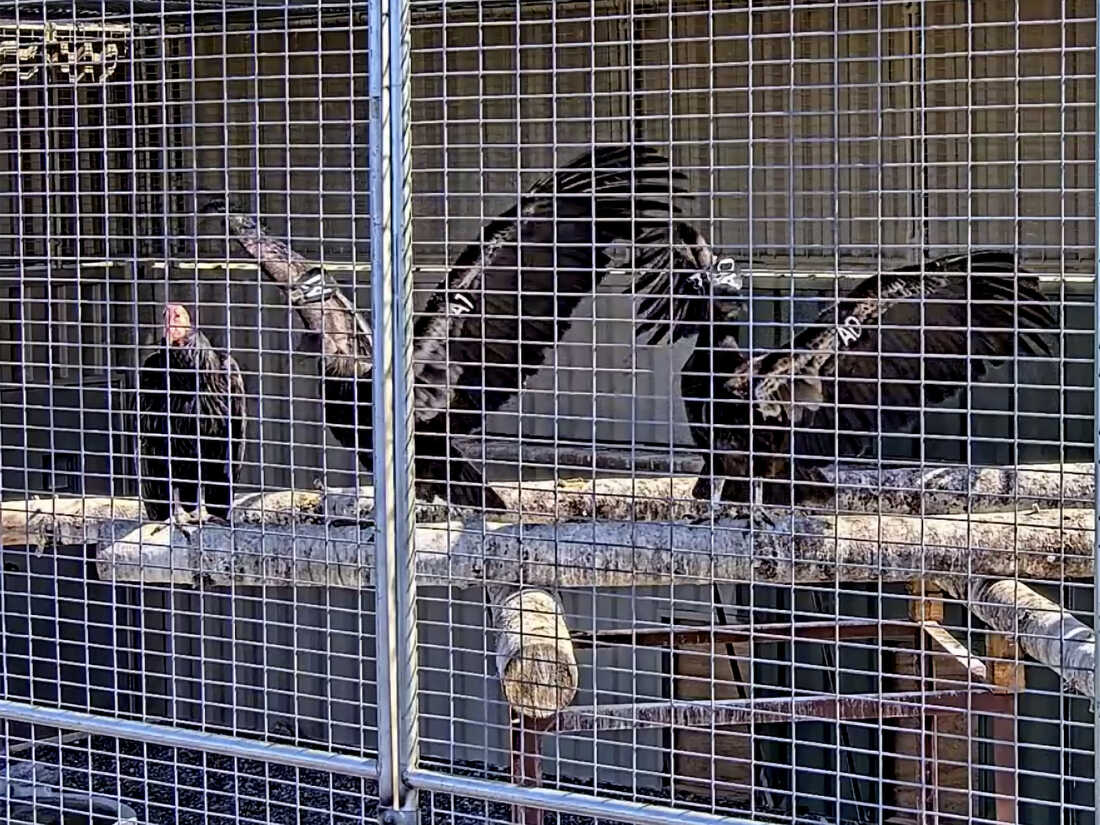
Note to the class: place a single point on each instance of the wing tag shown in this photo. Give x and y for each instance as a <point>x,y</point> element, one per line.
<point>460,304</point>
<point>311,289</point>
<point>849,330</point>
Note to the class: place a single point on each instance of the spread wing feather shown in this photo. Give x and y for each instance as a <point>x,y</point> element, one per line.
<point>508,299</point>
<point>916,339</point>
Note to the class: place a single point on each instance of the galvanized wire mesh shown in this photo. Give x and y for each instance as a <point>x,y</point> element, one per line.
<point>820,143</point>
<point>118,120</point>
<point>824,143</point>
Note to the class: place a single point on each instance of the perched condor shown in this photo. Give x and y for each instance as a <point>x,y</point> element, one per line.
<point>191,418</point>
<point>710,309</point>
<point>898,343</point>
<point>506,302</point>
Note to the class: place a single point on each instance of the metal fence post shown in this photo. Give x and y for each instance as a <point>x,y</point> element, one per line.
<point>1096,420</point>
<point>391,306</point>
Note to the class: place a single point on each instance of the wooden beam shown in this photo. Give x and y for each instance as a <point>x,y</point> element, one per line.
<point>706,714</point>
<point>941,638</point>
<point>672,461</point>
<point>1004,659</point>
<point>757,633</point>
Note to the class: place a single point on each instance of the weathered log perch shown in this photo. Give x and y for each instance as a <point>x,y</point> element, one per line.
<point>992,488</point>
<point>943,490</point>
<point>294,538</point>
<point>640,460</point>
<point>64,519</point>
<point>535,659</point>
<point>904,491</point>
<point>938,491</point>
<point>793,550</point>
<point>1044,630</point>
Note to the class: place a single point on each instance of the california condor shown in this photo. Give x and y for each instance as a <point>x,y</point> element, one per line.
<point>191,418</point>
<point>504,305</point>
<point>871,362</point>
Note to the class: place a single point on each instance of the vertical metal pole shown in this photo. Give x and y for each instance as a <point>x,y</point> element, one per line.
<point>391,306</point>
<point>1095,418</point>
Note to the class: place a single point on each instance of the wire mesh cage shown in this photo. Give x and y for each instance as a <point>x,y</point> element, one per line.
<point>119,120</point>
<point>630,410</point>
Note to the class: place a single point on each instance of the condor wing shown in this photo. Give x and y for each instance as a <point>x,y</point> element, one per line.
<point>508,299</point>
<point>898,343</point>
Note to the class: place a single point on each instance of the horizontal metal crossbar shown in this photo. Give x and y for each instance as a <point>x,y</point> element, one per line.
<point>618,810</point>
<point>909,704</point>
<point>182,738</point>
<point>826,631</point>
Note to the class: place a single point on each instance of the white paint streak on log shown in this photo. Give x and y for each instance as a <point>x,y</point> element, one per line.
<point>535,659</point>
<point>796,550</point>
<point>76,520</point>
<point>1043,629</point>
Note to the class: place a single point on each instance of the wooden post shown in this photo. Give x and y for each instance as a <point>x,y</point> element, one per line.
<point>1005,666</point>
<point>527,762</point>
<point>927,606</point>
<point>1008,672</point>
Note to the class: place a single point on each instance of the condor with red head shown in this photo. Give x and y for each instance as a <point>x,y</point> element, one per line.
<point>191,421</point>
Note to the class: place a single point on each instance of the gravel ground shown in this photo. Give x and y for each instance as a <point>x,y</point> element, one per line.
<point>169,786</point>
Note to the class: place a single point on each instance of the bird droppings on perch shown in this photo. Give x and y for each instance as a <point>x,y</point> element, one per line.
<point>946,490</point>
<point>535,659</point>
<point>1043,629</point>
<point>793,550</point>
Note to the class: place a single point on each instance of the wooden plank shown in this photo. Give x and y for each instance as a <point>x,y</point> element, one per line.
<point>947,644</point>
<point>692,635</point>
<point>705,714</point>
<point>705,761</point>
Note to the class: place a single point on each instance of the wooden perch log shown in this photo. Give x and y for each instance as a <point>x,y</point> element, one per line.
<point>535,660</point>
<point>795,550</point>
<point>280,538</point>
<point>65,519</point>
<point>943,490</point>
<point>77,520</point>
<point>641,460</point>
<point>1044,630</point>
